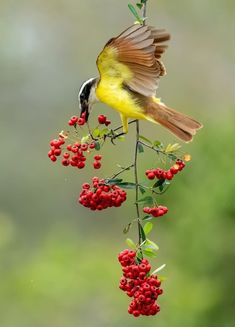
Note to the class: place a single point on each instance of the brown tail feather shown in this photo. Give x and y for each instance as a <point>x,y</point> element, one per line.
<point>184,127</point>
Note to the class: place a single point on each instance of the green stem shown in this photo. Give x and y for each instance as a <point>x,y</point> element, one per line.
<point>137,182</point>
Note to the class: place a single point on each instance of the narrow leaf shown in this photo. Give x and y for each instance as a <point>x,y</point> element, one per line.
<point>139,5</point>
<point>148,227</point>
<point>158,269</point>
<point>147,217</point>
<point>96,132</point>
<point>160,182</point>
<point>142,189</point>
<point>151,245</point>
<point>143,236</point>
<point>104,132</point>
<point>134,12</point>
<point>130,243</point>
<point>139,256</point>
<point>121,138</point>
<point>140,148</point>
<point>147,200</point>
<point>127,185</point>
<point>127,228</point>
<point>145,139</point>
<point>114,181</point>
<point>149,253</point>
<point>97,145</point>
<point>85,139</point>
<point>157,144</point>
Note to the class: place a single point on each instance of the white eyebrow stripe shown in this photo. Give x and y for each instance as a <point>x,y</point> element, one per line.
<point>83,85</point>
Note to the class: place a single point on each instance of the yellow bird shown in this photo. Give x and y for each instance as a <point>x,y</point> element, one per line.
<point>130,69</point>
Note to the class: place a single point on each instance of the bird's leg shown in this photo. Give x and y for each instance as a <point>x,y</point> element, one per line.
<point>124,120</point>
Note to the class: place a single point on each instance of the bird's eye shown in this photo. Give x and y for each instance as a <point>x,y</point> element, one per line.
<point>82,96</point>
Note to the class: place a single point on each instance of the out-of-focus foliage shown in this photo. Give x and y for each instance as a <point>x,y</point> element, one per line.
<point>58,260</point>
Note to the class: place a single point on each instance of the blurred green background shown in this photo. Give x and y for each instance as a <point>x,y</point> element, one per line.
<point>58,260</point>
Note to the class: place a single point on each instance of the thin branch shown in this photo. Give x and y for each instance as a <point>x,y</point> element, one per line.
<point>121,171</point>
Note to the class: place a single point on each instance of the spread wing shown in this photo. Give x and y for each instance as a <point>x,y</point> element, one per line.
<point>133,58</point>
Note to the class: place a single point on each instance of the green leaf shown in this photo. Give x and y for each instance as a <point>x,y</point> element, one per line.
<point>97,145</point>
<point>140,148</point>
<point>147,228</point>
<point>143,236</point>
<point>172,147</point>
<point>149,253</point>
<point>121,138</point>
<point>142,189</point>
<point>145,139</point>
<point>139,5</point>
<point>158,144</point>
<point>127,185</point>
<point>130,243</point>
<point>147,217</point>
<point>134,12</point>
<point>143,1</point>
<point>85,139</point>
<point>159,183</point>
<point>151,245</point>
<point>114,181</point>
<point>127,228</point>
<point>158,269</point>
<point>147,200</point>
<point>104,132</point>
<point>96,132</point>
<point>139,256</point>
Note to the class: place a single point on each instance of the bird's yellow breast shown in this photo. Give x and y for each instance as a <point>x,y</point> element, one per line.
<point>110,90</point>
<point>112,93</point>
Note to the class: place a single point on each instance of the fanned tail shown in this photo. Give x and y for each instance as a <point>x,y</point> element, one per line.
<point>184,127</point>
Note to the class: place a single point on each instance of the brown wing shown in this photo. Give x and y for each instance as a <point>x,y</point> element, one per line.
<point>140,48</point>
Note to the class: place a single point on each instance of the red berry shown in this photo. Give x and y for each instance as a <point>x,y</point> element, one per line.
<point>98,157</point>
<point>92,146</point>
<point>102,119</point>
<point>84,147</point>
<point>66,155</point>
<point>151,175</point>
<point>53,158</point>
<point>57,152</point>
<point>97,164</point>
<point>169,175</point>
<point>81,121</point>
<point>108,122</point>
<point>81,164</point>
<point>65,162</point>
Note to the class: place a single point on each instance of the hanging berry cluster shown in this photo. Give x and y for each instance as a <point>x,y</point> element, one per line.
<point>139,284</point>
<point>74,148</point>
<point>165,174</point>
<point>102,196</point>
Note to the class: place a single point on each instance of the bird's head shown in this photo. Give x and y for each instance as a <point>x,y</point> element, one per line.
<point>87,97</point>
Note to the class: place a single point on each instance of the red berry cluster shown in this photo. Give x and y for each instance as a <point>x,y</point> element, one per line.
<point>156,211</point>
<point>138,284</point>
<point>165,174</point>
<point>102,119</point>
<point>74,120</point>
<point>102,196</point>
<point>74,154</point>
<point>55,150</point>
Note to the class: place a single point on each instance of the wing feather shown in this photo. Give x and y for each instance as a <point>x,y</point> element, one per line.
<point>133,57</point>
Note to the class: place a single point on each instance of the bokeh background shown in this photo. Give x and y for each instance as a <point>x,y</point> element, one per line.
<point>58,260</point>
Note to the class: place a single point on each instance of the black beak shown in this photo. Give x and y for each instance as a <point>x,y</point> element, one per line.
<point>84,110</point>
